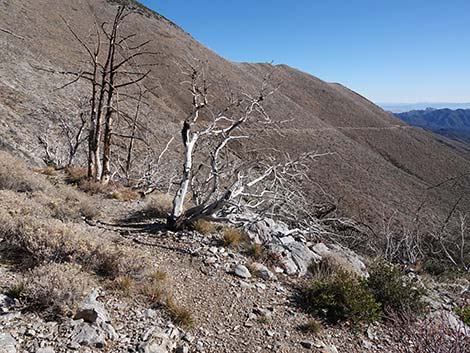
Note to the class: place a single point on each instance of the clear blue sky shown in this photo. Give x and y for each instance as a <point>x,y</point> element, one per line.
<point>387,50</point>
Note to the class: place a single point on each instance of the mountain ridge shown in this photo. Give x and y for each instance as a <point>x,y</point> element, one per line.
<point>327,117</point>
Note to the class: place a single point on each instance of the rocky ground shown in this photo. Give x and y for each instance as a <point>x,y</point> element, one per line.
<point>237,303</point>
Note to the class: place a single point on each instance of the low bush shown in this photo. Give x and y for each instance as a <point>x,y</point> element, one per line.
<point>393,289</point>
<point>55,289</point>
<point>256,251</point>
<point>115,261</point>
<point>16,176</point>
<point>464,313</point>
<point>95,187</point>
<point>341,297</point>
<point>44,240</point>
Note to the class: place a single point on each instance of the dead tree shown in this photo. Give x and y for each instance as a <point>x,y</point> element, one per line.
<point>212,176</point>
<point>112,67</point>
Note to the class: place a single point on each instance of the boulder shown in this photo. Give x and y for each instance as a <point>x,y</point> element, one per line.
<point>242,272</point>
<point>7,343</point>
<point>347,259</point>
<point>92,324</point>
<point>262,271</point>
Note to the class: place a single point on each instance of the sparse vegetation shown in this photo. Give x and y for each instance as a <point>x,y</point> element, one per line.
<point>54,288</point>
<point>125,194</point>
<point>464,313</point>
<point>204,227</point>
<point>232,237</point>
<point>158,206</point>
<point>178,314</point>
<point>256,251</point>
<point>15,176</point>
<point>312,327</point>
<point>75,175</point>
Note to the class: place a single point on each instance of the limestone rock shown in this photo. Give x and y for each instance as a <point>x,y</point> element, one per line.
<point>242,272</point>
<point>7,343</point>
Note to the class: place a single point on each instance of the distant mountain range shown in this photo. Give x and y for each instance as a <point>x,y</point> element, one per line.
<point>406,107</point>
<point>451,123</point>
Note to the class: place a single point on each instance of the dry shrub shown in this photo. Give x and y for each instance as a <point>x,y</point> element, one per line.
<point>153,291</point>
<point>232,237</point>
<point>328,266</point>
<point>55,289</point>
<point>95,187</point>
<point>16,176</point>
<point>114,261</point>
<point>49,171</point>
<point>204,227</point>
<point>427,336</point>
<point>159,206</point>
<point>68,204</point>
<point>44,240</point>
<point>75,175</point>
<point>125,194</point>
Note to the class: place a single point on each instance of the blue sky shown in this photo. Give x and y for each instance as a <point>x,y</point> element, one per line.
<point>387,50</point>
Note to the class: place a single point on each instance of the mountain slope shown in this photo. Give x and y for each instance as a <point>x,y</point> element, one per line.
<point>451,123</point>
<point>378,164</point>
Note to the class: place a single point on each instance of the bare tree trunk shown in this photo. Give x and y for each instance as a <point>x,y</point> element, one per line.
<point>175,220</point>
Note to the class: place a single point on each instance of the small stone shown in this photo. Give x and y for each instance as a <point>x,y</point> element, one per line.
<point>245,285</point>
<point>45,350</point>
<point>7,343</point>
<point>150,313</point>
<point>307,344</point>
<point>270,333</point>
<point>242,272</point>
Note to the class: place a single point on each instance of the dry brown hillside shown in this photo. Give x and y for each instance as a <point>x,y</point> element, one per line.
<point>378,164</point>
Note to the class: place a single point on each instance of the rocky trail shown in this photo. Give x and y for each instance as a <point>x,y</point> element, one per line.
<point>233,310</point>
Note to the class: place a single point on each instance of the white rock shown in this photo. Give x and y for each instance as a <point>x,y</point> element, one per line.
<point>242,272</point>
<point>7,343</point>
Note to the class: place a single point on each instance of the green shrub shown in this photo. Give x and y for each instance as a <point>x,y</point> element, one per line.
<point>464,313</point>
<point>341,297</point>
<point>393,289</point>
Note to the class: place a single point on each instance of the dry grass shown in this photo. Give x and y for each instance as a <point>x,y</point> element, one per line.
<point>49,171</point>
<point>204,227</point>
<point>94,187</point>
<point>125,194</point>
<point>68,204</point>
<point>114,261</point>
<point>124,284</point>
<point>153,291</point>
<point>55,289</point>
<point>312,327</point>
<point>75,175</point>
<point>232,237</point>
<point>159,205</point>
<point>178,314</point>
<point>16,176</point>
<point>329,265</point>
<point>256,251</point>
<point>44,240</point>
